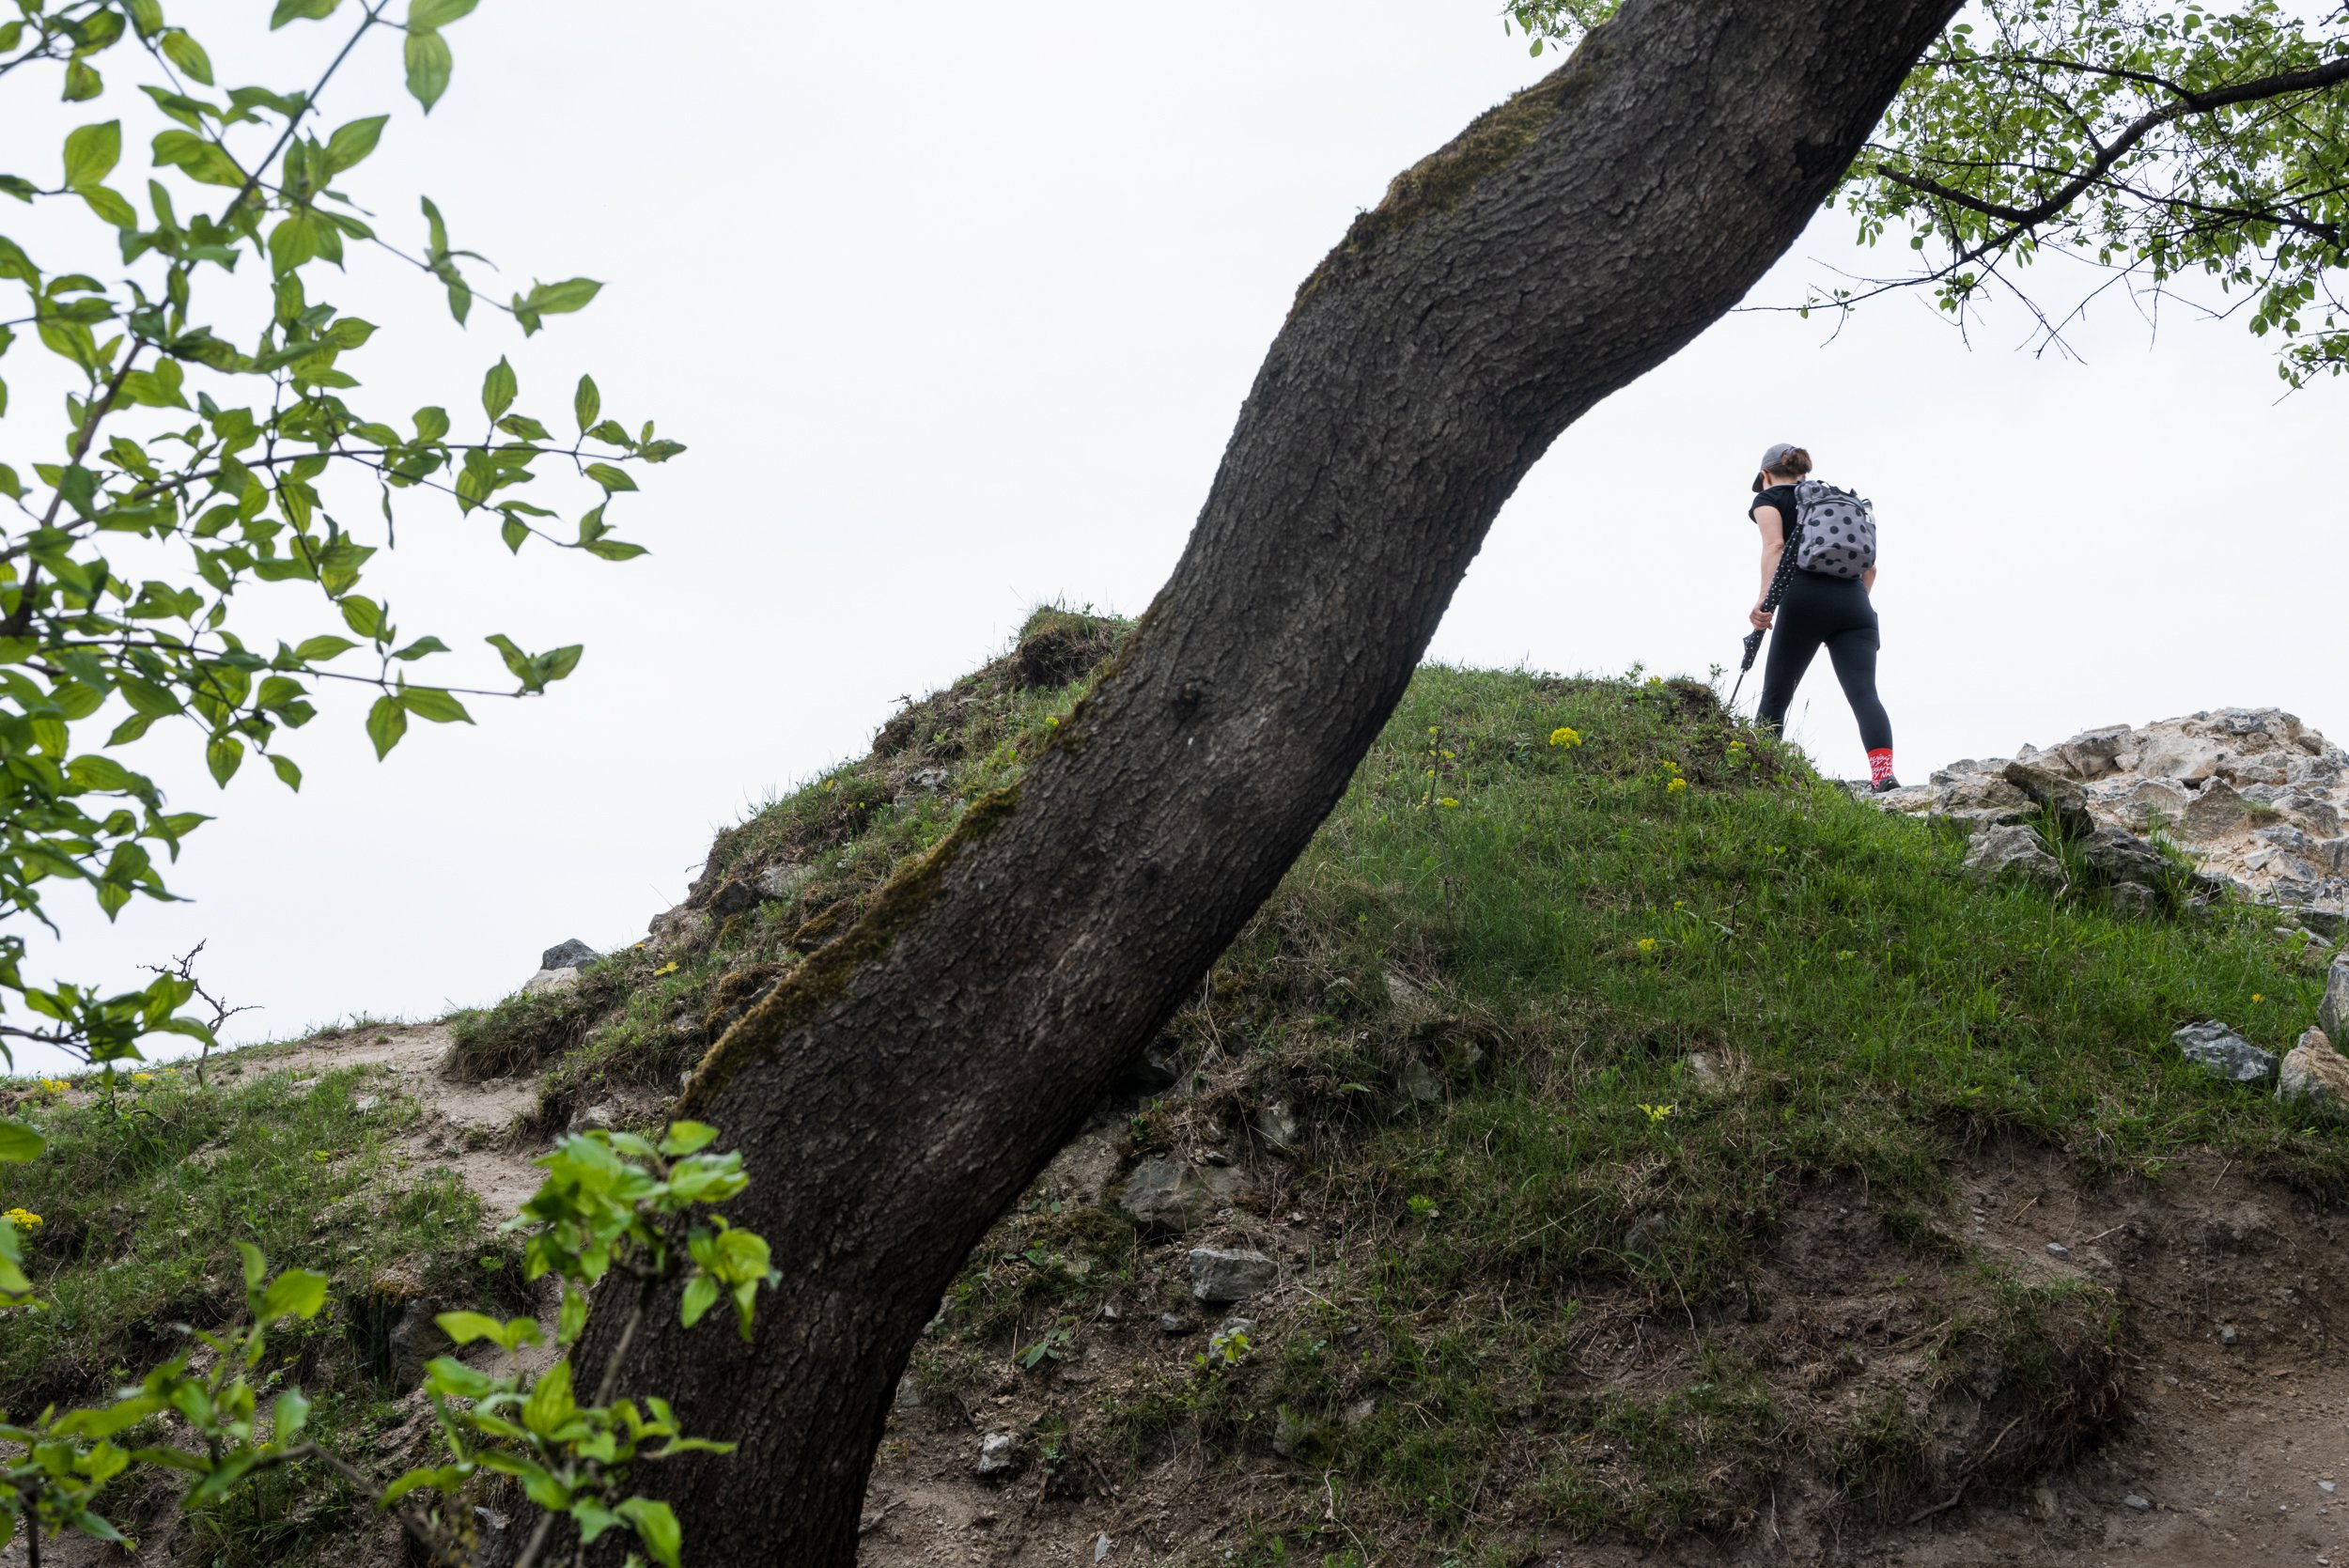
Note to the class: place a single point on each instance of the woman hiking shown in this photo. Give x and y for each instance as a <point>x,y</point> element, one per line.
<point>1815,610</point>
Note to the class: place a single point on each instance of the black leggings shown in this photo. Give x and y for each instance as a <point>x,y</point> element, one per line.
<point>1833,611</point>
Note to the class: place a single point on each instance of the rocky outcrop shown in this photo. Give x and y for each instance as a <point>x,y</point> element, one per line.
<point>2253,796</point>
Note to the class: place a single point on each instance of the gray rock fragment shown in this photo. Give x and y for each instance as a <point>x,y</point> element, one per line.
<point>566,956</point>
<point>1229,1274</point>
<point>1171,1197</point>
<point>2332,1013</point>
<point>2013,851</point>
<point>2220,1050</point>
<point>999,1456</point>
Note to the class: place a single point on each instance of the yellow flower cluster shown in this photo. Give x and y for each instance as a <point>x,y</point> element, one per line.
<point>142,1078</point>
<point>1565,735</point>
<point>55,1085</point>
<point>24,1219</point>
<point>1447,802</point>
<point>1648,944</point>
<point>1658,1112</point>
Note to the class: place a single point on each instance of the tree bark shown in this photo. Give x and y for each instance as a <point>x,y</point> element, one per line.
<point>913,1076</point>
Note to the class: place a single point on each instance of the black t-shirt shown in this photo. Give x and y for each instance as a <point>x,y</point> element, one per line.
<point>1782,497</point>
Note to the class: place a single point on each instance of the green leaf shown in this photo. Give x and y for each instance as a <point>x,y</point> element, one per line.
<point>433,14</point>
<point>465,1327</point>
<point>498,388</point>
<point>291,1415</point>
<point>430,703</point>
<point>223,754</point>
<point>427,60</point>
<point>256,1266</point>
<point>550,1403</point>
<point>91,153</point>
<point>293,10</point>
<point>386,723</point>
<point>701,1294</point>
<point>362,614</point>
<point>110,206</point>
<point>557,299</point>
<point>187,54</point>
<point>81,82</point>
<point>613,550</point>
<point>687,1137</point>
<point>287,772</point>
<point>422,646</point>
<point>573,1316</point>
<point>316,648</point>
<point>609,478</point>
<point>513,531</point>
<point>586,403</point>
<point>352,143</point>
<point>657,1526</point>
<point>445,1375</point>
<point>201,158</point>
<point>19,1143</point>
<point>297,1292</point>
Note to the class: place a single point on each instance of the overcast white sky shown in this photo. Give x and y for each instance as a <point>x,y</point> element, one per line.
<point>955,319</point>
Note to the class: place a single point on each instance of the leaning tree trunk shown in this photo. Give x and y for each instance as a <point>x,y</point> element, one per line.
<point>914,1074</point>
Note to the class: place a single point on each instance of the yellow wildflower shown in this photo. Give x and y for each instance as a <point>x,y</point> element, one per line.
<point>1565,736</point>
<point>669,968</point>
<point>142,1078</point>
<point>1656,1113</point>
<point>1447,802</point>
<point>1648,944</point>
<point>55,1085</point>
<point>1675,787</point>
<point>24,1219</point>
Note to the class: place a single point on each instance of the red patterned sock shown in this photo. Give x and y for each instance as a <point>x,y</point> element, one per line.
<point>1880,765</point>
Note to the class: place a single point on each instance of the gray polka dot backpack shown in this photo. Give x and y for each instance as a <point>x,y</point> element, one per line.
<point>1838,531</point>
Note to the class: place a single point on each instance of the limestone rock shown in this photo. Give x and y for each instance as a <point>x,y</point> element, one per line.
<point>2315,1072</point>
<point>1169,1196</point>
<point>1229,1274</point>
<point>2122,857</point>
<point>2016,851</point>
<point>2217,811</point>
<point>551,980</point>
<point>782,878</point>
<point>681,927</point>
<point>2133,900</point>
<point>2332,1015</point>
<point>1275,1122</point>
<point>2221,1051</point>
<point>569,954</point>
<point>2053,792</point>
<point>999,1456</point>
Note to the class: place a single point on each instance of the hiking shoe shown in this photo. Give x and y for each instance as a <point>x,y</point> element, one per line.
<point>1882,785</point>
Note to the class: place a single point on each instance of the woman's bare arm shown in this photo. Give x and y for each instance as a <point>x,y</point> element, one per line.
<point>1773,525</point>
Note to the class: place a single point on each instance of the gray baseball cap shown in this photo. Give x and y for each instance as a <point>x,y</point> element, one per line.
<point>1778,453</point>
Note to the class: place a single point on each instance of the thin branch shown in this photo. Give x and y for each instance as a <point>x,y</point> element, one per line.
<point>2022,218</point>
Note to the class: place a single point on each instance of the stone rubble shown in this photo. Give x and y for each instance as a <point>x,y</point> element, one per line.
<point>2253,796</point>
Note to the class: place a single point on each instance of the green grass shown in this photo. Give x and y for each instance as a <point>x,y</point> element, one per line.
<point>142,1205</point>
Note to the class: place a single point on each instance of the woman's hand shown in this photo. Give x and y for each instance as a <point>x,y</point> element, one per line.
<point>1759,617</point>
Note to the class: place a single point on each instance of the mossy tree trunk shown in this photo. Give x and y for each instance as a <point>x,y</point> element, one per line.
<point>909,1082</point>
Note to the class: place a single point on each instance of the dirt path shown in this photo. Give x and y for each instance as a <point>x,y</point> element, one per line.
<point>464,1127</point>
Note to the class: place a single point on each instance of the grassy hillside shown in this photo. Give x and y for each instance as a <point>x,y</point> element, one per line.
<point>1593,1037</point>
